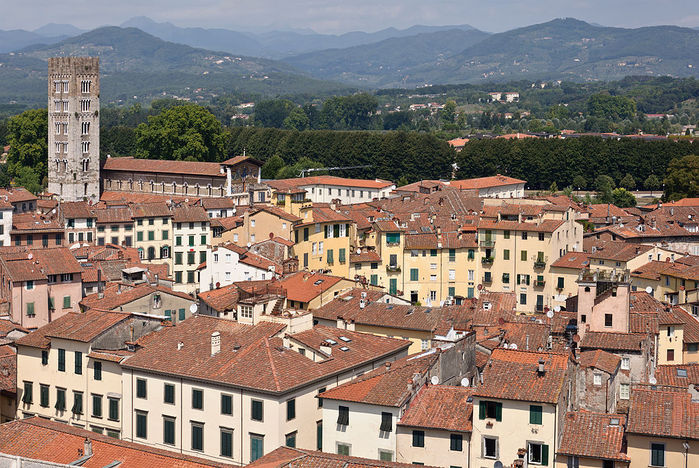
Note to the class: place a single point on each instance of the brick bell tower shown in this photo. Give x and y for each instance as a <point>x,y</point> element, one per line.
<point>74,128</point>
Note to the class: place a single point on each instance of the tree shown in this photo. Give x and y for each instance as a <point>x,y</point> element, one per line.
<point>273,112</point>
<point>272,166</point>
<point>579,182</point>
<point>187,132</point>
<point>623,198</point>
<point>682,179</point>
<point>398,120</point>
<point>611,107</point>
<point>27,134</point>
<point>652,183</point>
<point>628,182</point>
<point>553,188</point>
<point>297,120</point>
<point>448,113</point>
<point>604,186</point>
<point>288,172</point>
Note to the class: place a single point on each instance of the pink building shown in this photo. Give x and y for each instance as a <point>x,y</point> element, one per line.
<point>40,285</point>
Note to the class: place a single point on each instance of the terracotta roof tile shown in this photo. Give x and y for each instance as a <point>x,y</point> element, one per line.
<point>600,359</point>
<point>575,260</point>
<point>235,160</point>
<point>8,369</point>
<point>151,210</point>
<point>678,375</point>
<point>118,295</point>
<point>76,210</point>
<point>592,435</point>
<point>329,180</point>
<point>188,214</point>
<point>17,194</point>
<point>304,286</point>
<point>221,299</point>
<point>129,164</point>
<point>440,407</point>
<point>613,341</point>
<point>113,215</point>
<point>485,182</point>
<point>499,379</point>
<point>663,413</point>
<point>285,457</point>
<point>73,326</point>
<point>51,441</point>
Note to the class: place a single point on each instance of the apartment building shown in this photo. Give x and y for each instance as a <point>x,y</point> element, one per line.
<point>192,237</point>
<point>435,428</point>
<point>40,285</point>
<point>675,281</point>
<point>229,263</point>
<point>79,221</point>
<point>68,370</point>
<point>252,390</point>
<point>115,226</point>
<point>390,243</point>
<point>31,229</point>
<point>325,189</point>
<point>523,422</point>
<point>153,232</point>
<point>323,241</point>
<point>260,223</point>
<point>6,210</point>
<point>219,207</point>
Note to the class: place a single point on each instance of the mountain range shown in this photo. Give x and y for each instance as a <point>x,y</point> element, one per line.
<point>144,59</point>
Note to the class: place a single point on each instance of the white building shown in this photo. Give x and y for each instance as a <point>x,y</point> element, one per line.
<point>228,263</point>
<point>497,186</point>
<point>324,189</point>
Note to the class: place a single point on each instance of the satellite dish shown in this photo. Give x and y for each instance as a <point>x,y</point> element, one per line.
<point>576,338</point>
<point>218,284</point>
<point>513,346</point>
<point>652,381</point>
<point>30,256</point>
<point>434,380</point>
<point>359,251</point>
<point>480,287</point>
<point>501,321</point>
<point>649,290</point>
<point>557,309</point>
<point>193,308</point>
<point>549,314</point>
<point>465,382</point>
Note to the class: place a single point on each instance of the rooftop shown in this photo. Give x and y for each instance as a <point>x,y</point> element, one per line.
<point>594,435</point>
<point>485,182</point>
<point>129,164</point>
<point>663,413</point>
<point>285,457</point>
<point>441,407</point>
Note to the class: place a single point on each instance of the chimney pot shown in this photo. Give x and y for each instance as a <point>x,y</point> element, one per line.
<point>88,448</point>
<point>215,343</point>
<point>541,371</point>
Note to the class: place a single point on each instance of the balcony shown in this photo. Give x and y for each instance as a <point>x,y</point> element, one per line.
<point>539,264</point>
<point>487,260</point>
<point>487,279</point>
<point>392,268</point>
<point>487,243</point>
<point>540,283</point>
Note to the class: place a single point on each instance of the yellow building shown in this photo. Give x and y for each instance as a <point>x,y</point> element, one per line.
<point>323,241</point>
<point>259,223</point>
<point>662,430</point>
<point>390,242</point>
<point>675,281</point>
<point>115,226</point>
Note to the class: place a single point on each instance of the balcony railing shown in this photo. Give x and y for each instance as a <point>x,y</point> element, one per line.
<point>539,283</point>
<point>487,243</point>
<point>487,279</point>
<point>487,260</point>
<point>538,264</point>
<point>392,268</point>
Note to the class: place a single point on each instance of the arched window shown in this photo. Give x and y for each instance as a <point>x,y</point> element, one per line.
<point>151,253</point>
<point>140,253</point>
<point>164,252</point>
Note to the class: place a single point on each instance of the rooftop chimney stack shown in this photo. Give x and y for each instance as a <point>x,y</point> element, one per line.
<point>541,370</point>
<point>215,343</point>
<point>88,448</point>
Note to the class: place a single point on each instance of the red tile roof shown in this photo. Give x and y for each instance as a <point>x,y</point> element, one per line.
<point>235,160</point>
<point>285,457</point>
<point>75,210</point>
<point>485,182</point>
<point>32,222</point>
<point>670,375</point>
<point>546,225</point>
<point>600,359</point>
<point>75,326</point>
<point>282,184</point>
<point>662,413</point>
<point>575,260</point>
<point>440,407</point>
<point>252,356</point>
<point>592,435</point>
<point>386,385</point>
<point>55,442</point>
<point>221,299</point>
<point>304,286</point>
<point>8,369</point>
<point>613,341</point>
<point>17,194</point>
<point>189,214</point>
<point>691,324</point>
<point>129,164</point>
<point>118,295</point>
<point>615,251</point>
<point>513,375</point>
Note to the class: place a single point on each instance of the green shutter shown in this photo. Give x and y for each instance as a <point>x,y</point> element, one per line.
<point>341,255</point>
<point>561,282</point>
<point>545,455</point>
<point>330,258</point>
<point>413,274</point>
<point>498,411</point>
<point>481,409</point>
<point>181,314</point>
<point>393,286</point>
<point>374,280</point>
<point>66,302</point>
<point>535,414</point>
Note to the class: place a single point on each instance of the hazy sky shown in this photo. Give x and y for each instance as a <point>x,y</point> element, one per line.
<point>337,16</point>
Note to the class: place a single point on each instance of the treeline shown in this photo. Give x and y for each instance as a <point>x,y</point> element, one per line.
<point>575,162</point>
<point>398,156</point>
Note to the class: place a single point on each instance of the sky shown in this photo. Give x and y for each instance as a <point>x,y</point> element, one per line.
<point>338,16</point>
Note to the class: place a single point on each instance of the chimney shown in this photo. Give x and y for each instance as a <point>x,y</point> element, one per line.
<point>326,349</point>
<point>88,448</point>
<point>180,345</point>
<point>388,365</point>
<point>540,371</point>
<point>215,343</point>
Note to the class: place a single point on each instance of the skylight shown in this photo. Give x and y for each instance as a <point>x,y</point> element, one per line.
<point>681,372</point>
<point>318,282</point>
<point>345,339</point>
<point>344,348</point>
<point>332,342</point>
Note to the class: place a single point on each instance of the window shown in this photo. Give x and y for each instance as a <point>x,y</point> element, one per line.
<point>538,454</point>
<point>44,396</point>
<point>256,410</point>
<point>141,424</point>
<point>226,442</point>
<point>452,275</point>
<point>506,254</point>
<point>66,302</point>
<point>290,409</point>
<point>490,410</point>
<point>30,309</point>
<point>343,449</point>
<point>113,409</point>
<point>535,414</point>
<point>96,406</point>
<point>386,422</point>
<point>78,362</point>
<point>290,439</point>
<point>425,344</point>
<point>471,254</point>
<point>226,404</point>
<point>28,394</point>
<point>607,320</point>
<point>97,370</point>
<point>319,435</point>
<point>418,438</point>
<point>77,403</point>
<point>657,454</point>
<point>61,360</point>
<point>524,236</point>
<point>523,298</point>
<point>197,399</point>
<point>490,447</point>
<point>597,379</point>
<point>44,357</point>
<point>625,363</point>
<point>414,274</point>
<point>670,354</point>
<point>169,394</point>
<point>624,391</point>
<point>141,390</point>
<point>256,447</point>
<point>573,462</point>
<point>506,278</point>
<point>456,442</point>
<point>523,255</point>
<point>385,455</point>
<point>168,430</point>
<point>343,415</point>
<point>452,255</point>
<point>197,436</point>
<point>29,285</point>
<point>60,399</point>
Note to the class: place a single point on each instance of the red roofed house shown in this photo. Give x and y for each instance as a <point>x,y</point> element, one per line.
<point>69,371</point>
<point>497,186</point>
<point>252,388</point>
<point>593,439</point>
<point>324,189</point>
<point>287,457</point>
<point>520,407</point>
<point>663,429</point>
<point>229,263</point>
<point>436,427</point>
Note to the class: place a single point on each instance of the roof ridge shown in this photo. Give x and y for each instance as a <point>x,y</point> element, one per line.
<point>271,364</point>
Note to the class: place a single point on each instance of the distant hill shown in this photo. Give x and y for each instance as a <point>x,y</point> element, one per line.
<point>386,63</point>
<point>55,29</point>
<point>16,39</point>
<point>134,63</point>
<point>559,49</point>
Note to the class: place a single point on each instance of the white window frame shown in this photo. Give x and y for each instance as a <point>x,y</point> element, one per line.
<point>624,391</point>
<point>625,363</point>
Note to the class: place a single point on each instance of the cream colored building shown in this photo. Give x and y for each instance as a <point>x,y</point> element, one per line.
<point>259,224</point>
<point>153,233</point>
<point>115,226</point>
<point>233,393</point>
<point>593,440</point>
<point>68,370</point>
<point>322,241</point>
<point>325,189</point>
<point>192,236</point>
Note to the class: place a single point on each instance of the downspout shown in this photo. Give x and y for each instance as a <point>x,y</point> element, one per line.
<point>181,416</point>
<point>241,427</point>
